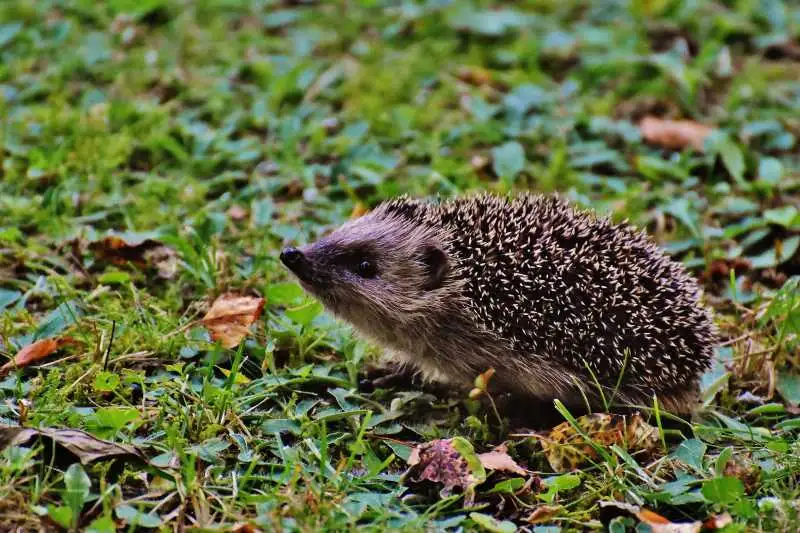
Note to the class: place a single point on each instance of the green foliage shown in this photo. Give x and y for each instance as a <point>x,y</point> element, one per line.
<point>724,490</point>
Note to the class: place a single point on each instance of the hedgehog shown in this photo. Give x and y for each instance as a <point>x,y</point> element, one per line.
<point>560,302</point>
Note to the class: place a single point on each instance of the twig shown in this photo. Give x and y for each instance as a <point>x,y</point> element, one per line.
<point>110,342</point>
<point>736,339</point>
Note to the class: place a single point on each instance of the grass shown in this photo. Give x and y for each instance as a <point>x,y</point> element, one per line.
<point>226,128</point>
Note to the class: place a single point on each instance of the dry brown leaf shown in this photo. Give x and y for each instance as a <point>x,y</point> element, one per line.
<point>718,521</point>
<point>659,524</point>
<point>141,252</point>
<point>32,353</point>
<point>674,134</point>
<point>86,447</point>
<point>656,522</point>
<point>498,459</point>
<point>566,449</point>
<point>651,518</point>
<point>542,513</point>
<point>448,462</point>
<point>231,316</point>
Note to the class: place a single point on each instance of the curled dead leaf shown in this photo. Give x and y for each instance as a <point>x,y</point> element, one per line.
<point>34,352</point>
<point>566,449</point>
<point>542,513</point>
<point>499,460</point>
<point>656,522</point>
<point>674,134</point>
<point>718,521</point>
<point>448,462</point>
<point>85,447</point>
<point>142,252</point>
<point>230,317</point>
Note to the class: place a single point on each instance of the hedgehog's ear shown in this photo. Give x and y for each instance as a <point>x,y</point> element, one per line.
<point>436,266</point>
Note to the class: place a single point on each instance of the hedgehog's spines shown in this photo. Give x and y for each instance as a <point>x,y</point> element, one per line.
<point>557,281</point>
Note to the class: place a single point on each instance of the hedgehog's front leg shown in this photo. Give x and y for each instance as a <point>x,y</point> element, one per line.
<point>399,371</point>
<point>389,374</point>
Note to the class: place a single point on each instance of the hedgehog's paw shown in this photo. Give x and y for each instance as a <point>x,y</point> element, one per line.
<point>389,375</point>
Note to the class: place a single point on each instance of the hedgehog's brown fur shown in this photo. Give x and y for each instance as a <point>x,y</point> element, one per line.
<point>560,303</point>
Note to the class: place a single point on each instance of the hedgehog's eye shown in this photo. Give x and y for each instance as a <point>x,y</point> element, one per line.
<point>366,269</point>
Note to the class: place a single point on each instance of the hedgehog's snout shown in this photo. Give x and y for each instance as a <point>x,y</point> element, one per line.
<point>291,256</point>
<point>297,262</point>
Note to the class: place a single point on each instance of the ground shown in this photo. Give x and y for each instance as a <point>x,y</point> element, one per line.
<point>205,135</point>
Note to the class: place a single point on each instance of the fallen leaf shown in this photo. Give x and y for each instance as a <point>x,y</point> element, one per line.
<point>82,445</point>
<point>659,524</point>
<point>449,462</point>
<point>674,134</point>
<point>656,522</point>
<point>718,521</point>
<point>492,524</point>
<point>498,459</point>
<point>566,449</point>
<point>142,252</point>
<point>34,352</point>
<point>231,316</point>
<point>542,513</point>
<point>651,518</point>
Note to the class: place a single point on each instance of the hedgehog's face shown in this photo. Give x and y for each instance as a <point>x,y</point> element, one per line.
<point>374,272</point>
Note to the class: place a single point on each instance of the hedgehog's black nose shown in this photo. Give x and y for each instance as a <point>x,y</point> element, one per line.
<point>291,257</point>
<point>297,262</point>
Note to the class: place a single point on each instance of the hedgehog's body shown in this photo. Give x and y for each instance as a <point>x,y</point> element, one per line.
<point>559,303</point>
